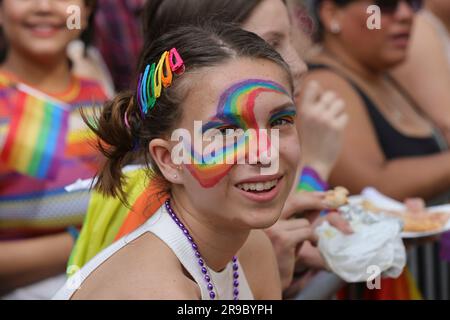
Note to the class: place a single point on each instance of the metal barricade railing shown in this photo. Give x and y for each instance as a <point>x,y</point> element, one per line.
<point>431,273</point>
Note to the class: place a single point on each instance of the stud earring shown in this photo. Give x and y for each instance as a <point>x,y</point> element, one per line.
<point>335,27</point>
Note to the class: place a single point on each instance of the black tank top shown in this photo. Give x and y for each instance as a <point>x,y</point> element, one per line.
<point>393,143</point>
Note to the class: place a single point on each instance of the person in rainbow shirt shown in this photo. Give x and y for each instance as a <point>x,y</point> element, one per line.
<point>44,145</point>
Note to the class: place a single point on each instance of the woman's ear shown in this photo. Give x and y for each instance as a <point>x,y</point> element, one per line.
<point>330,17</point>
<point>160,151</point>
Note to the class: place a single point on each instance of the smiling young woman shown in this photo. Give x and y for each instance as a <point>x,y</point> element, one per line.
<point>204,242</point>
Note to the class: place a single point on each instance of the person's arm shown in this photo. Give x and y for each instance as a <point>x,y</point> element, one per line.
<point>426,74</point>
<point>23,262</point>
<point>362,163</point>
<point>321,123</point>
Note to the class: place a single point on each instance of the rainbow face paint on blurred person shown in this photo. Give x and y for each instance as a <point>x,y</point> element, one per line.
<point>236,111</point>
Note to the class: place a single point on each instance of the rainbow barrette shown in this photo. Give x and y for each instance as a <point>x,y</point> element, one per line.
<point>157,76</point>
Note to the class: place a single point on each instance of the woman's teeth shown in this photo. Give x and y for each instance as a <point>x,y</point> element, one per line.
<point>258,186</point>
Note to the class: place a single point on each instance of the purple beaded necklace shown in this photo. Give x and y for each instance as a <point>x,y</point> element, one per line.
<point>201,262</point>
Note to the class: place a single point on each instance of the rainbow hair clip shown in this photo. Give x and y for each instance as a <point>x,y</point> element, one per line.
<point>157,76</point>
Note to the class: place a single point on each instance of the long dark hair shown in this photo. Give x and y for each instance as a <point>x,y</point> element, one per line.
<point>199,46</point>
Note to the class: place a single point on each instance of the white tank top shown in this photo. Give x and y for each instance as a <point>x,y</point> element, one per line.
<point>162,225</point>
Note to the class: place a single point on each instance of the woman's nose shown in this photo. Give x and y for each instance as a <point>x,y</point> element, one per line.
<point>43,5</point>
<point>404,11</point>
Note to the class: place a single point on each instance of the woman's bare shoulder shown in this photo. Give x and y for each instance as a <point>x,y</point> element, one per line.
<point>144,269</point>
<point>334,80</point>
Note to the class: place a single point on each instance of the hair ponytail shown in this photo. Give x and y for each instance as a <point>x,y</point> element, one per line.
<point>115,142</point>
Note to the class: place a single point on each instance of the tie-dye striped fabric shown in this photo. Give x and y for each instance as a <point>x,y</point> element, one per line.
<point>30,205</point>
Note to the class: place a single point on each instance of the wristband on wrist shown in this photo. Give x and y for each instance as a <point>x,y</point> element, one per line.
<point>310,180</point>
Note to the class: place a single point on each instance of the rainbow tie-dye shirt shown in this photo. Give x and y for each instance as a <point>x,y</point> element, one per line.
<point>33,201</point>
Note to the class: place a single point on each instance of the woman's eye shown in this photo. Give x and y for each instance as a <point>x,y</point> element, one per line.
<point>227,130</point>
<point>282,121</point>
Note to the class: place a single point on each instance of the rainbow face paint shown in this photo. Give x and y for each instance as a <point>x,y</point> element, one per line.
<point>236,111</point>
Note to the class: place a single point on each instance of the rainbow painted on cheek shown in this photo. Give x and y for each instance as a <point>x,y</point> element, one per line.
<point>236,109</point>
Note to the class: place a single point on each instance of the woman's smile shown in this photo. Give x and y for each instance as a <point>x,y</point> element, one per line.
<point>260,188</point>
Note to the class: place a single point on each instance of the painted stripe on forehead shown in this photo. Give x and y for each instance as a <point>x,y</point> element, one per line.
<point>237,102</point>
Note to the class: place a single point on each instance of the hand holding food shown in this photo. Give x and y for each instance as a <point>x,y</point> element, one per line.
<point>336,197</point>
